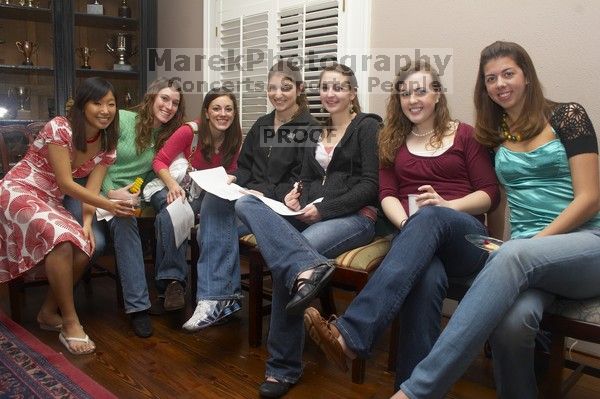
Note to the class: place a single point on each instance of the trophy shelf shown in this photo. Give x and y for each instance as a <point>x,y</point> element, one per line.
<point>107,73</point>
<point>26,68</point>
<point>4,122</point>
<point>106,21</point>
<point>8,11</point>
<point>57,30</point>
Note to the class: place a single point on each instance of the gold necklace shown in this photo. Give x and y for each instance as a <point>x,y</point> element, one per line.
<point>506,130</point>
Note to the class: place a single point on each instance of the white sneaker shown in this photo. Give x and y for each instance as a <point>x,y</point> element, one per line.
<point>209,312</point>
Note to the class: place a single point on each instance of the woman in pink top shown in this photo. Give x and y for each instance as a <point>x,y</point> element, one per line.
<point>218,143</point>
<point>422,151</point>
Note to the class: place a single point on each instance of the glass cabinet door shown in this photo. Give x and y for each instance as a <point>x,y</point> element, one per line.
<point>27,83</point>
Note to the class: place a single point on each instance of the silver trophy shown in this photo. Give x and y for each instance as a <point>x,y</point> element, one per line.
<point>95,8</point>
<point>121,47</point>
<point>21,95</point>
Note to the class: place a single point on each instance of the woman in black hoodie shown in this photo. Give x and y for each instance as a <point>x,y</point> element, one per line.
<point>269,163</point>
<point>340,166</point>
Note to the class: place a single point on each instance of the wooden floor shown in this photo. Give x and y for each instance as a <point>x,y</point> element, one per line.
<point>217,362</point>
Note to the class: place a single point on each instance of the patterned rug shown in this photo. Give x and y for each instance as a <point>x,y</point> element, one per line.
<point>31,369</point>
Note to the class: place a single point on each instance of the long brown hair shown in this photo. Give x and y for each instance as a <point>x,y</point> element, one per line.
<point>292,72</point>
<point>144,124</point>
<point>397,126</point>
<point>233,135</point>
<point>92,89</point>
<point>349,73</point>
<point>536,108</point>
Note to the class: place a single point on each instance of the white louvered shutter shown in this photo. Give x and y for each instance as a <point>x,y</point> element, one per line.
<point>254,68</point>
<point>243,43</point>
<point>309,32</point>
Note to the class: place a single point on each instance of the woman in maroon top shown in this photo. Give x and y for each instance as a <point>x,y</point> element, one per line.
<point>423,152</point>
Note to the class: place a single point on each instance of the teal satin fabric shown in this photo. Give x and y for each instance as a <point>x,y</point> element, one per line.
<point>538,186</point>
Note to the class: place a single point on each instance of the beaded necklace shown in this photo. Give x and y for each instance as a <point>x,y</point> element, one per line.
<point>506,130</point>
<point>424,134</point>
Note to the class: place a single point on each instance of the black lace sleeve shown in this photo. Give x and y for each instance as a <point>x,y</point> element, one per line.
<point>574,128</point>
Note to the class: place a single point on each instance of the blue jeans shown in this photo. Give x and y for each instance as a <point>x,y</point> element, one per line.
<point>513,345</point>
<point>412,281</point>
<point>288,253</point>
<point>219,263</point>
<point>129,256</point>
<point>74,207</point>
<point>171,261</point>
<point>567,265</point>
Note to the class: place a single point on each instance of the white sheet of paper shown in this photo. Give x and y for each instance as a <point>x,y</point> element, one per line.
<point>215,182</point>
<point>182,217</point>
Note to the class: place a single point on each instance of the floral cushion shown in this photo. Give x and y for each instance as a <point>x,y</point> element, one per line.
<point>362,258</point>
<point>583,310</point>
<point>367,257</point>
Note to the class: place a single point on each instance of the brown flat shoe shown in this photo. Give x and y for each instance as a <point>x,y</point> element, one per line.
<point>325,335</point>
<point>174,296</point>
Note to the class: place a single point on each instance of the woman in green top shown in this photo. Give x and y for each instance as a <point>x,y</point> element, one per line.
<point>141,134</point>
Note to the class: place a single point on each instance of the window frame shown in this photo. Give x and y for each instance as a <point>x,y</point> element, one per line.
<point>354,31</point>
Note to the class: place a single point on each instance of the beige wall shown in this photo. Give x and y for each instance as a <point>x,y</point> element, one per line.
<point>180,26</point>
<point>561,37</point>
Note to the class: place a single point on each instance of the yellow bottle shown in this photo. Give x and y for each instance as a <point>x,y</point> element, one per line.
<point>137,184</point>
<point>134,189</point>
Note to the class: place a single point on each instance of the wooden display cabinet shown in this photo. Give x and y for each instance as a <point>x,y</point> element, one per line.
<point>37,92</point>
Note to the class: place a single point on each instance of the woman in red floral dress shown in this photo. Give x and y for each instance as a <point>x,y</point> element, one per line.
<point>35,227</point>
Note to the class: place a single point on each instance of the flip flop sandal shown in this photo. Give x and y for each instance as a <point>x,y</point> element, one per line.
<point>50,327</point>
<point>67,340</point>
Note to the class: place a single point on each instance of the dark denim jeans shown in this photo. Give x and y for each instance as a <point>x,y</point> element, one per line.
<point>129,256</point>
<point>288,252</point>
<point>171,262</point>
<point>412,281</point>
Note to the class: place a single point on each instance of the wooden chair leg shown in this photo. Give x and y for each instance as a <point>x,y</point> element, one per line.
<point>327,302</point>
<point>552,386</point>
<point>255,299</point>
<point>195,255</point>
<point>393,349</point>
<point>119,288</point>
<point>86,278</point>
<point>15,296</point>
<point>358,370</point>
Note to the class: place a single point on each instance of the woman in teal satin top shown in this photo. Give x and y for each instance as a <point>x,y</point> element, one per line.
<point>547,161</point>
